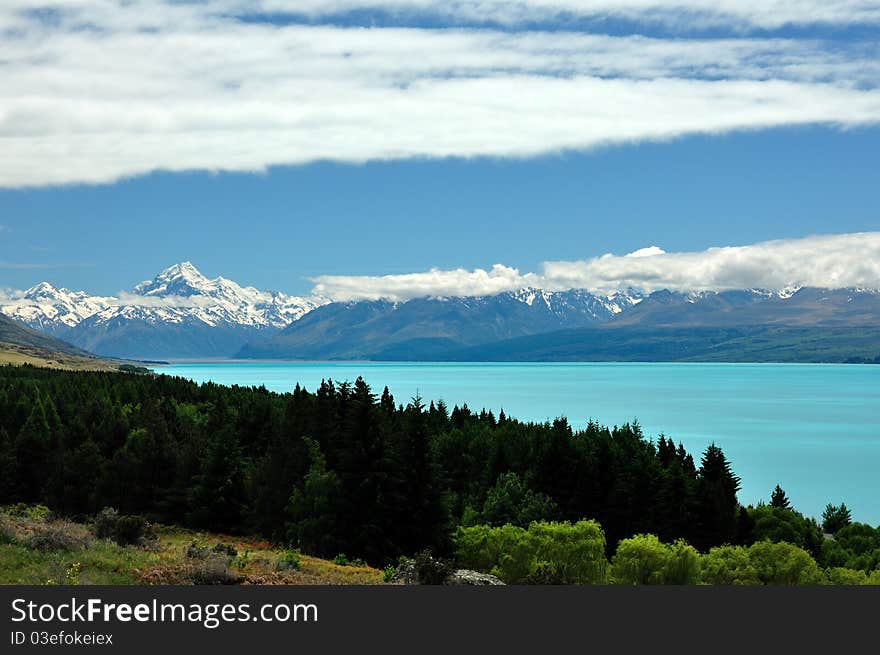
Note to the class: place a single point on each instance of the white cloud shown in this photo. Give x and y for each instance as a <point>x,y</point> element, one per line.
<point>831,261</point>
<point>107,90</point>
<point>435,282</point>
<point>650,251</point>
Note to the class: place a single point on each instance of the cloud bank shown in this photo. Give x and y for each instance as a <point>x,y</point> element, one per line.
<point>832,261</point>
<point>98,90</point>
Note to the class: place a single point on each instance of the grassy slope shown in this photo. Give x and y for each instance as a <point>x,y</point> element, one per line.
<point>24,354</point>
<point>20,344</point>
<point>13,332</point>
<point>166,562</point>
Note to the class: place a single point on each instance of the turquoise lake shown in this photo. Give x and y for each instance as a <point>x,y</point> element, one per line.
<point>812,428</point>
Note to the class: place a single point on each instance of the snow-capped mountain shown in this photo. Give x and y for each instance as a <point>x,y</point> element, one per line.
<point>180,313</point>
<point>52,310</point>
<point>188,315</point>
<point>424,327</point>
<point>181,293</point>
<point>565,303</point>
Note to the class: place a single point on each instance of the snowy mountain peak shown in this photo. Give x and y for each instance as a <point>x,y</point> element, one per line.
<point>42,291</point>
<point>179,294</point>
<point>181,279</point>
<point>787,292</point>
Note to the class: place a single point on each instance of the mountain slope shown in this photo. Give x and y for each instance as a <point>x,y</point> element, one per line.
<point>788,325</point>
<point>427,326</point>
<point>684,344</point>
<point>16,334</point>
<point>790,308</point>
<point>21,345</point>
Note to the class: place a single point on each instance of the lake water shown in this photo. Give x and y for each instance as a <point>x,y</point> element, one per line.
<point>812,428</point>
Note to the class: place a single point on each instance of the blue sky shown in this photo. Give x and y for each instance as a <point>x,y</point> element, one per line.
<point>273,147</point>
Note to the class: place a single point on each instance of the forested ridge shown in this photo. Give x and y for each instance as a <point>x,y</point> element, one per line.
<point>346,470</point>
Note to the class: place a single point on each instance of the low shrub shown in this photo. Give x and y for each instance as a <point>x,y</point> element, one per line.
<point>289,560</point>
<point>431,570</point>
<point>196,550</point>
<point>573,553</point>
<point>242,560</point>
<point>8,534</point>
<point>846,577</point>
<point>32,512</point>
<point>104,525</point>
<point>388,573</point>
<point>728,565</point>
<point>124,529</point>
<point>130,529</point>
<point>341,560</point>
<point>640,560</point>
<point>212,570</point>
<point>784,564</point>
<point>58,535</point>
<point>223,548</point>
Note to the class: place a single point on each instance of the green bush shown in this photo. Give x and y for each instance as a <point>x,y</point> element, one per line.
<point>684,565</point>
<point>640,560</point>
<point>124,529</point>
<point>388,573</point>
<point>32,512</point>
<point>784,564</point>
<point>846,577</point>
<point>728,565</point>
<point>38,513</point>
<point>130,529</point>
<point>577,550</point>
<point>105,523</point>
<point>571,553</point>
<point>289,560</point>
<point>341,560</point>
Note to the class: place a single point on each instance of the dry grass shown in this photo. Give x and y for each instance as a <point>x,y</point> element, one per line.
<point>257,562</point>
<point>17,355</point>
<point>40,550</point>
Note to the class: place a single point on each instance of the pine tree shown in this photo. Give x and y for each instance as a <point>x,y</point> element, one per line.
<point>835,517</point>
<point>219,495</point>
<point>32,449</point>
<point>779,499</point>
<point>8,473</point>
<point>313,511</point>
<point>718,507</point>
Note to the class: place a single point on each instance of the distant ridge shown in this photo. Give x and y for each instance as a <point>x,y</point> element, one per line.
<point>750,325</point>
<point>182,314</point>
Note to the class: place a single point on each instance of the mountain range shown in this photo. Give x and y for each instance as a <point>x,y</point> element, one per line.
<point>182,314</point>
<point>179,313</point>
